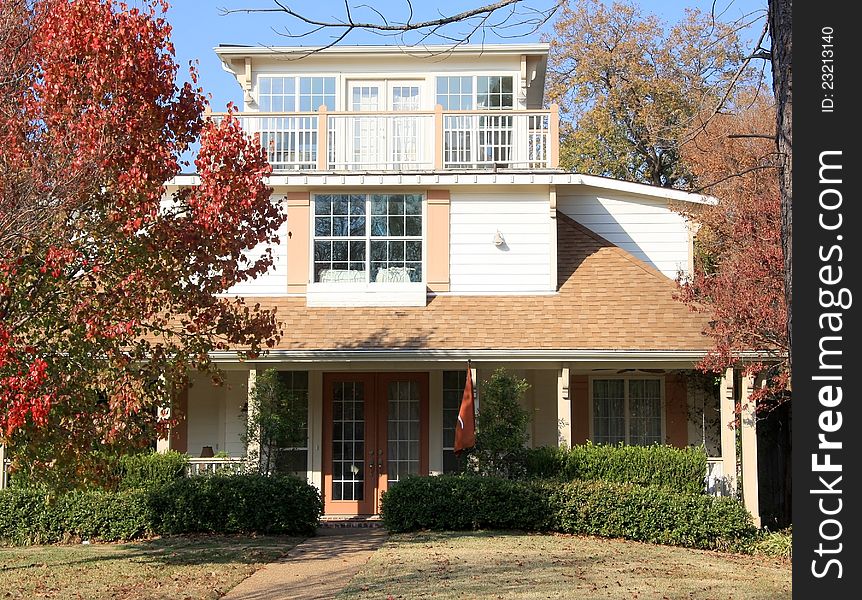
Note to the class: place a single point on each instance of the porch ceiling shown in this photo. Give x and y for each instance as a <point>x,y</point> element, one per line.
<point>608,300</point>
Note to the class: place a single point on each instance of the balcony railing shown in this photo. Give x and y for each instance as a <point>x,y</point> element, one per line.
<point>407,141</point>
<point>209,466</point>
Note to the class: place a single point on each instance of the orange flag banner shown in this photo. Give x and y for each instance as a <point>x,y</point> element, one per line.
<point>465,428</point>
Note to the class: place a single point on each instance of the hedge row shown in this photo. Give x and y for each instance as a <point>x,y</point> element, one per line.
<point>215,504</point>
<point>680,469</point>
<point>151,469</point>
<point>644,513</point>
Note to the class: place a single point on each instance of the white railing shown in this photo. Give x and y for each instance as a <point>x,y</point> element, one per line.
<point>208,466</point>
<point>716,483</point>
<point>407,140</point>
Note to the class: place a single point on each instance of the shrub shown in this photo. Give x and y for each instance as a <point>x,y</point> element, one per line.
<point>644,513</point>
<point>775,543</point>
<point>650,514</point>
<point>463,502</point>
<point>680,469</point>
<point>237,503</point>
<point>151,469</point>
<point>31,516</point>
<point>501,426</point>
<point>214,504</point>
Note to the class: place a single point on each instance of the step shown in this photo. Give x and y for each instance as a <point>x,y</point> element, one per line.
<point>336,521</point>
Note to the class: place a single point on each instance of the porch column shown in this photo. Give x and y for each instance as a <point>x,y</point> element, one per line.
<point>2,467</point>
<point>252,451</point>
<point>749,451</point>
<point>163,444</point>
<point>564,408</point>
<point>728,433</point>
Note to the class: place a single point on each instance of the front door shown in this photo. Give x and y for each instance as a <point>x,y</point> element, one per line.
<point>375,432</point>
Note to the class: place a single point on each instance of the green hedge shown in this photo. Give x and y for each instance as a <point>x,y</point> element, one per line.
<point>644,513</point>
<point>458,502</point>
<point>237,503</point>
<point>680,469</point>
<point>151,469</point>
<point>214,504</point>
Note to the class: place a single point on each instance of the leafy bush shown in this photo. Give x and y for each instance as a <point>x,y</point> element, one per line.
<point>30,516</point>
<point>645,513</point>
<point>215,504</point>
<point>459,502</point>
<point>650,514</point>
<point>501,426</point>
<point>775,543</point>
<point>680,469</point>
<point>237,503</point>
<point>151,469</point>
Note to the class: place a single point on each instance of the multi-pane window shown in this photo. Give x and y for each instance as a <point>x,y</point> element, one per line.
<point>295,94</point>
<point>627,411</point>
<point>453,390</point>
<point>293,458</point>
<point>348,440</point>
<point>365,238</point>
<point>402,433</point>
<point>455,93</point>
<point>494,91</point>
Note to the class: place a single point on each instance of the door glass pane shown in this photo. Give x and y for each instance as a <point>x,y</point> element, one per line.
<point>348,440</point>
<point>645,411</point>
<point>609,417</point>
<point>403,428</point>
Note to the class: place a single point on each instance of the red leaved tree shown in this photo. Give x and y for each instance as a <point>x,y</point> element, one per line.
<point>109,281</point>
<point>739,266</point>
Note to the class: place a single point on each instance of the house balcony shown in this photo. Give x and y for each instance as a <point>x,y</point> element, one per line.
<point>414,141</point>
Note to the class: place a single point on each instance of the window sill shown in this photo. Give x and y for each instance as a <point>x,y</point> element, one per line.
<point>365,294</point>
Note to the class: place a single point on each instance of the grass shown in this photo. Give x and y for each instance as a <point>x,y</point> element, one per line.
<point>513,565</point>
<point>171,567</point>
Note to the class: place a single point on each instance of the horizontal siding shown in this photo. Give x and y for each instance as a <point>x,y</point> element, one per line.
<point>476,264</point>
<point>274,281</point>
<point>647,228</point>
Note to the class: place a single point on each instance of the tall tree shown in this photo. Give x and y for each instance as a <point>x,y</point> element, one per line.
<point>631,86</point>
<point>109,283</point>
<point>739,270</point>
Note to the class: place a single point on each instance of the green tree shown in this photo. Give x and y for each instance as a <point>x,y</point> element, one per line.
<point>276,420</point>
<point>630,87</point>
<point>501,425</point>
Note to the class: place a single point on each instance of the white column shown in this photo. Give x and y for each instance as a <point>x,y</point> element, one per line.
<point>564,408</point>
<point>728,431</point>
<point>749,451</point>
<point>315,428</point>
<point>435,422</point>
<point>163,444</point>
<point>252,451</point>
<point>2,467</point>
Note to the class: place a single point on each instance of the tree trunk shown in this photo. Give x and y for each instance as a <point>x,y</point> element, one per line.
<point>780,25</point>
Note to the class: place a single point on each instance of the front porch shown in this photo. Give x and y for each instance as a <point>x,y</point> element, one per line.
<point>371,423</point>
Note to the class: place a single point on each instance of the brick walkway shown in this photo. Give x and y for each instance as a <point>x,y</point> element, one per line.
<point>316,569</point>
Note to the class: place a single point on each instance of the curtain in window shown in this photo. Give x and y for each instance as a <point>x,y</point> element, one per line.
<point>644,411</point>
<point>609,418</point>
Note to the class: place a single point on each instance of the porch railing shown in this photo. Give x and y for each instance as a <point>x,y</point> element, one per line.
<point>208,466</point>
<point>407,140</point>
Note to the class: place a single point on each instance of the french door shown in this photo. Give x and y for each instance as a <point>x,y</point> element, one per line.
<point>384,140</point>
<point>375,432</point>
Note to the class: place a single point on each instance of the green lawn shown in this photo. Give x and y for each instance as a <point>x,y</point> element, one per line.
<point>172,567</point>
<point>509,565</point>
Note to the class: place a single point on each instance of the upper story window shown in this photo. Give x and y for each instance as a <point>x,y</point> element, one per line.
<point>627,411</point>
<point>295,94</point>
<point>469,92</point>
<point>368,238</point>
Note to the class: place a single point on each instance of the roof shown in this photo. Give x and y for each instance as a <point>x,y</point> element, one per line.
<point>418,50</point>
<point>607,300</point>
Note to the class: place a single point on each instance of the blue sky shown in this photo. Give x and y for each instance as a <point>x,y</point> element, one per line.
<point>199,26</point>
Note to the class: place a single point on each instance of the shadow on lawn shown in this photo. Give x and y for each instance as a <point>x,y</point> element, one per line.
<point>170,550</point>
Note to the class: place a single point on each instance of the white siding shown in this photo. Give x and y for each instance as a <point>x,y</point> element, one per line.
<point>645,227</point>
<point>522,264</point>
<point>274,281</point>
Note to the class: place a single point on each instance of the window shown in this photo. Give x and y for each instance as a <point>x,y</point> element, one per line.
<point>295,94</point>
<point>295,459</point>
<point>627,411</point>
<point>453,390</point>
<point>455,93</point>
<point>364,238</point>
<point>491,91</point>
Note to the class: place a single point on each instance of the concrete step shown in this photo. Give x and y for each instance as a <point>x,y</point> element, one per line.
<point>337,521</point>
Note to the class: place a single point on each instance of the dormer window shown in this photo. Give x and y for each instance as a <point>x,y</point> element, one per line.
<point>368,238</point>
